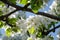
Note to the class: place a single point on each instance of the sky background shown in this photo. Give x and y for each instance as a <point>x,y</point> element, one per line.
<point>31,14</point>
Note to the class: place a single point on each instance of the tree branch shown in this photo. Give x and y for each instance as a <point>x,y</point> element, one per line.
<point>7,22</point>
<point>52,29</point>
<point>49,15</point>
<point>10,13</point>
<point>28,9</point>
<point>5,18</point>
<point>26,5</point>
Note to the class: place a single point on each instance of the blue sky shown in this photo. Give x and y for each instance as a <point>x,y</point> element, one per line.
<point>42,10</point>
<point>47,7</point>
<point>1,32</point>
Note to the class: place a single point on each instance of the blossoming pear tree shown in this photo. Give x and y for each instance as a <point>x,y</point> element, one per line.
<point>38,27</point>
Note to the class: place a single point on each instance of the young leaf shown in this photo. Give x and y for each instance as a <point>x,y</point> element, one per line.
<point>31,30</point>
<point>12,21</point>
<point>1,13</point>
<point>8,31</point>
<point>1,24</point>
<point>36,4</point>
<point>15,29</point>
<point>2,4</point>
<point>52,24</point>
<point>39,34</point>
<point>13,1</point>
<point>23,1</point>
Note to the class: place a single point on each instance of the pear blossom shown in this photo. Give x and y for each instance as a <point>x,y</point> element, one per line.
<point>54,4</point>
<point>25,25</point>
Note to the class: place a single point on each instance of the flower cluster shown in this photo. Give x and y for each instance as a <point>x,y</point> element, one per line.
<point>31,25</point>
<point>55,8</point>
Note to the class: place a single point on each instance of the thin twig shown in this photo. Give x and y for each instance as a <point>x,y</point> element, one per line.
<point>26,5</point>
<point>52,29</point>
<point>10,13</point>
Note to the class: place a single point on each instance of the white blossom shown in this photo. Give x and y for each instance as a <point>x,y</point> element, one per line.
<point>54,4</point>
<point>32,21</point>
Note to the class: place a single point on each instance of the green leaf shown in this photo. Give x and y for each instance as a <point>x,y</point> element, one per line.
<point>1,13</point>
<point>1,24</point>
<point>12,21</point>
<point>2,4</point>
<point>39,34</point>
<point>51,37</point>
<point>31,30</point>
<point>8,32</point>
<point>13,1</point>
<point>46,1</point>
<point>15,29</point>
<point>36,5</point>
<point>11,30</point>
<point>49,26</point>
<point>52,24</point>
<point>23,1</point>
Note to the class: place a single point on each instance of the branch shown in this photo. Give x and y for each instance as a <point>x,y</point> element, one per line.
<point>5,18</point>
<point>26,5</point>
<point>29,10</point>
<point>49,15</point>
<point>7,22</point>
<point>10,13</point>
<point>11,4</point>
<point>52,29</point>
<point>16,10</point>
